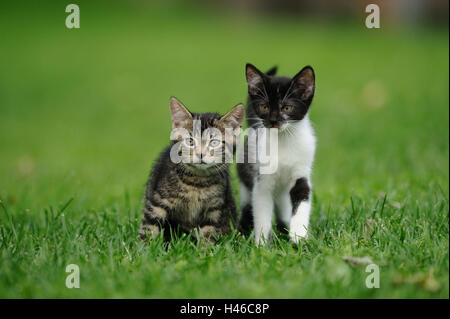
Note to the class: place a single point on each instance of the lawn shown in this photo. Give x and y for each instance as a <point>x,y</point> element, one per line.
<point>84,113</point>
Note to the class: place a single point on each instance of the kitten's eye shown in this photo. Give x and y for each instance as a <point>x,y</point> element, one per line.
<point>189,141</point>
<point>264,108</point>
<point>214,143</point>
<point>287,108</point>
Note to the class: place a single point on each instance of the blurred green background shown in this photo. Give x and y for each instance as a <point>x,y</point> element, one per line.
<point>85,112</point>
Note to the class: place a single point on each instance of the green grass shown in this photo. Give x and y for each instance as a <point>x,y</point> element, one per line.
<point>84,113</point>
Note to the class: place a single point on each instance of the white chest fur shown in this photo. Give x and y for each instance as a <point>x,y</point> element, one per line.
<point>294,157</point>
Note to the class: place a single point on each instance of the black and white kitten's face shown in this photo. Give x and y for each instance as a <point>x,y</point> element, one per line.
<point>276,101</point>
<point>202,139</point>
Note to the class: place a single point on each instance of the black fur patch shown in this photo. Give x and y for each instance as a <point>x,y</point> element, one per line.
<point>246,222</point>
<point>281,227</point>
<point>299,193</point>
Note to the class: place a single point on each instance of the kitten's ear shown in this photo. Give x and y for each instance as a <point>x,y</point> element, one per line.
<point>272,71</point>
<point>181,117</point>
<point>255,79</point>
<point>305,82</point>
<point>234,117</point>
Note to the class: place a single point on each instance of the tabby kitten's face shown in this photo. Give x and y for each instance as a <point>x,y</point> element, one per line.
<point>201,139</point>
<point>275,101</point>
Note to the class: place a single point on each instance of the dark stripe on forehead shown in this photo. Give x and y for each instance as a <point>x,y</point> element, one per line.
<point>207,119</point>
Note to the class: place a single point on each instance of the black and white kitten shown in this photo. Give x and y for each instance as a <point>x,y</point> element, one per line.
<point>283,103</point>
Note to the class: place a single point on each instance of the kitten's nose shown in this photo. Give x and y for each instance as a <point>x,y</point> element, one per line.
<point>273,119</point>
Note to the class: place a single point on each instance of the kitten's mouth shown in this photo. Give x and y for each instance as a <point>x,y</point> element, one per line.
<point>279,126</point>
<point>202,165</point>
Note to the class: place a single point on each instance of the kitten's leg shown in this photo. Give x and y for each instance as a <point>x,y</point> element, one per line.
<point>262,202</point>
<point>301,208</point>
<point>218,220</point>
<point>207,234</point>
<point>154,218</point>
<point>246,221</point>
<point>217,223</point>
<point>284,211</point>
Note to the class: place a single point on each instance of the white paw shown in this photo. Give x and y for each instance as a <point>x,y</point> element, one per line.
<point>262,239</point>
<point>295,236</point>
<point>297,230</point>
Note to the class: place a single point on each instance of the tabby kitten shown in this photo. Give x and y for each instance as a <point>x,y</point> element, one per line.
<point>189,189</point>
<point>283,103</point>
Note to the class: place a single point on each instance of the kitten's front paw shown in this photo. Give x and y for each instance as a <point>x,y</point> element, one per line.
<point>207,235</point>
<point>262,239</point>
<point>296,232</point>
<point>147,232</point>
